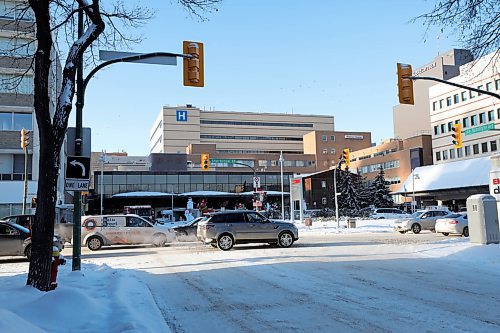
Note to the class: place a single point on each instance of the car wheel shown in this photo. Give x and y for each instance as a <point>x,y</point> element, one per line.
<point>285,239</point>
<point>465,233</point>
<point>27,252</point>
<point>94,243</point>
<point>416,228</point>
<point>159,240</point>
<point>182,233</point>
<point>225,242</point>
<point>445,233</point>
<point>402,232</point>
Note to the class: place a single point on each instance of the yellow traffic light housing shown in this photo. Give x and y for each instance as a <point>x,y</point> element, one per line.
<point>193,64</point>
<point>25,139</point>
<point>405,85</point>
<point>457,136</point>
<point>346,157</point>
<point>205,162</point>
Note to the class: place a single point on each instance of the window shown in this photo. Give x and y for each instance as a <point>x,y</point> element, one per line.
<point>465,122</point>
<point>481,88</point>
<point>452,154</point>
<point>491,115</point>
<point>438,156</point>
<point>448,101</point>
<point>11,84</point>
<point>254,218</point>
<point>467,150</point>
<point>459,152</point>
<point>498,113</point>
<point>323,200</point>
<point>441,103</point>
<point>332,137</point>
<point>472,94</point>
<point>475,149</point>
<point>443,128</point>
<point>436,130</point>
<point>17,47</point>
<point>493,146</point>
<point>12,11</point>
<point>235,218</point>
<point>489,86</point>
<point>323,184</point>
<point>333,151</point>
<point>497,84</point>
<point>450,126</point>
<point>464,96</point>
<point>482,118</point>
<point>220,218</point>
<point>434,105</point>
<point>445,155</point>
<point>135,222</point>
<point>456,98</point>
<point>324,138</point>
<point>484,147</point>
<point>325,150</point>
<point>473,120</point>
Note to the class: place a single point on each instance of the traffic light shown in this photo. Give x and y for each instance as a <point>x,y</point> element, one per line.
<point>193,65</point>
<point>346,157</point>
<point>457,136</point>
<point>33,202</point>
<point>405,85</point>
<point>205,162</point>
<point>25,139</point>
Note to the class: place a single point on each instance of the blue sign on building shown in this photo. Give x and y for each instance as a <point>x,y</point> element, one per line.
<point>182,115</point>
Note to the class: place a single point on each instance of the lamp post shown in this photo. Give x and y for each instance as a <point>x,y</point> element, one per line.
<point>282,160</point>
<point>102,159</point>
<point>413,202</point>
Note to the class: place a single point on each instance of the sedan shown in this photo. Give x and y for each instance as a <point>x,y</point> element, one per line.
<point>14,240</point>
<point>187,231</point>
<point>420,220</point>
<point>453,224</point>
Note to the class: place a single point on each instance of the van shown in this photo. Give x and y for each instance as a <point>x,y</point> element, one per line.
<point>101,230</point>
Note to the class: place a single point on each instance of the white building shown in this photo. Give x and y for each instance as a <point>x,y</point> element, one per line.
<point>478,113</point>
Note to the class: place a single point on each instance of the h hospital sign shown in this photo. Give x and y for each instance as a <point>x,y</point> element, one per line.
<point>181,115</point>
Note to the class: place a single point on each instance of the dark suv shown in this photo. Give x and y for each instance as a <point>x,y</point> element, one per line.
<point>227,228</point>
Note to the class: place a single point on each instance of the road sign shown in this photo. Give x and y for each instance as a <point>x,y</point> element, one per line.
<point>479,129</point>
<point>77,173</point>
<point>256,182</point>
<point>222,160</point>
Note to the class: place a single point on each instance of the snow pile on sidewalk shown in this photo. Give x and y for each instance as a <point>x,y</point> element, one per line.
<point>362,226</point>
<point>95,299</point>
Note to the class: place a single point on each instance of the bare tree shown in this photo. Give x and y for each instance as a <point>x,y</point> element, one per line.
<point>55,18</point>
<point>476,23</point>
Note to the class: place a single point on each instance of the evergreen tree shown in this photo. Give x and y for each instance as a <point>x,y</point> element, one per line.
<point>348,186</point>
<point>380,191</point>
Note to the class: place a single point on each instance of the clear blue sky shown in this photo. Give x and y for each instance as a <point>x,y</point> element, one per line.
<point>310,57</point>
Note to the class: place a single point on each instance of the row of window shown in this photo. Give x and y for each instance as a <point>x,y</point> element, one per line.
<point>380,153</point>
<point>253,123</point>
<point>12,166</point>
<point>13,10</point>
<point>324,138</point>
<point>249,137</point>
<point>228,151</point>
<point>464,95</point>
<point>286,163</point>
<point>13,121</point>
<point>16,47</point>
<point>16,83</point>
<point>332,151</point>
<point>376,167</point>
<point>475,149</point>
<point>474,120</point>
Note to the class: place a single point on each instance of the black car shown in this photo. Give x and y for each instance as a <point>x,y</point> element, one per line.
<point>14,240</point>
<point>22,220</point>
<point>188,230</point>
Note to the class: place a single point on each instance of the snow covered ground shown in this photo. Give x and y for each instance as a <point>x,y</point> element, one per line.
<point>343,280</point>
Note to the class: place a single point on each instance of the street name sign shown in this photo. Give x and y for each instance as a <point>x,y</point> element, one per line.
<point>479,129</point>
<point>77,173</point>
<point>222,160</point>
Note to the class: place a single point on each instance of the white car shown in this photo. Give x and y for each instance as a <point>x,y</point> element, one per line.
<point>101,230</point>
<point>453,224</point>
<point>420,220</point>
<point>388,213</point>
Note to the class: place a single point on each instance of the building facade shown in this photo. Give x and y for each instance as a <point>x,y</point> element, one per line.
<point>413,120</point>
<point>396,157</point>
<point>233,132</point>
<point>478,114</point>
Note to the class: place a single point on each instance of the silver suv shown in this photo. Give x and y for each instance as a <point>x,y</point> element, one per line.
<point>420,220</point>
<point>225,229</point>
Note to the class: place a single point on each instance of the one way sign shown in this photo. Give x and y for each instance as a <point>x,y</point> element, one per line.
<point>77,173</point>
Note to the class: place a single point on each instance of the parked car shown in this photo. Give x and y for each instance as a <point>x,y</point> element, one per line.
<point>15,240</point>
<point>225,229</point>
<point>23,220</point>
<point>101,230</point>
<point>63,231</point>
<point>388,213</point>
<point>453,224</point>
<point>188,230</point>
<point>420,220</point>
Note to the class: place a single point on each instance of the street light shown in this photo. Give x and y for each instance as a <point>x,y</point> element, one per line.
<point>102,159</point>
<point>282,160</point>
<point>413,202</point>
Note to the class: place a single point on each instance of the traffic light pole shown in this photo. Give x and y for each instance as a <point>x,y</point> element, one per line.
<point>455,85</point>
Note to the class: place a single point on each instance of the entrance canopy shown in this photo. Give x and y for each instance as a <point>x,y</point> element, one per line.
<point>206,194</point>
<point>142,195</point>
<point>268,193</point>
<point>473,172</point>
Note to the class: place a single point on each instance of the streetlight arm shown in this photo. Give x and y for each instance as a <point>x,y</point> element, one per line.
<point>455,85</point>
